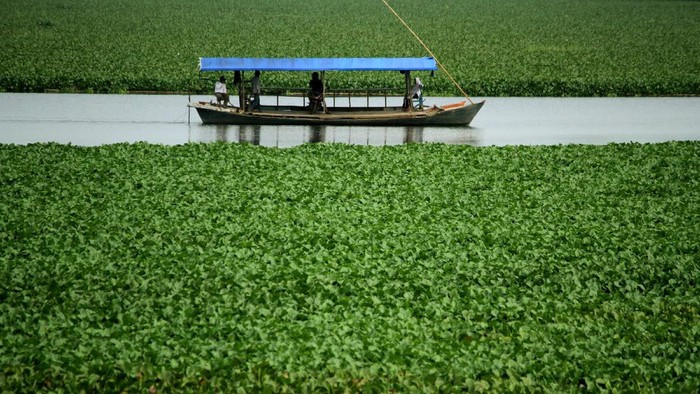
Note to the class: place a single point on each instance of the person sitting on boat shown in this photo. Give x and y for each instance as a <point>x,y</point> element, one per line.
<point>417,92</point>
<point>220,92</point>
<point>315,92</point>
<point>256,87</point>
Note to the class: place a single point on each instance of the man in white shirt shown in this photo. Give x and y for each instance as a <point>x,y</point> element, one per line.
<point>416,92</point>
<point>221,93</point>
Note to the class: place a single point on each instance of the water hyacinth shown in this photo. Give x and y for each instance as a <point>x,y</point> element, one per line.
<point>504,48</point>
<point>332,267</point>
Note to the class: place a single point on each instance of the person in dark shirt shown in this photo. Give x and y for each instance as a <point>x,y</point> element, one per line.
<point>315,91</point>
<point>238,83</point>
<point>257,89</point>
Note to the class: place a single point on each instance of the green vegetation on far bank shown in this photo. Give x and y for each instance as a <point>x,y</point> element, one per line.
<point>493,48</point>
<point>416,268</point>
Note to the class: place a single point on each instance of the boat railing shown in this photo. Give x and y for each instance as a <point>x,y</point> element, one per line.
<point>337,95</point>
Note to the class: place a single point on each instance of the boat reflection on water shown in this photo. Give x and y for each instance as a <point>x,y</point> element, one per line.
<point>289,136</point>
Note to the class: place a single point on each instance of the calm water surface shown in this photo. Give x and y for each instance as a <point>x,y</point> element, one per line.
<point>88,120</point>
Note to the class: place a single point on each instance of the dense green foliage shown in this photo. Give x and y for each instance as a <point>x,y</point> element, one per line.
<point>504,47</point>
<point>334,267</point>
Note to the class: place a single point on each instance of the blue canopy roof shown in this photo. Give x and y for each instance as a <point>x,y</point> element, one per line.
<point>317,64</point>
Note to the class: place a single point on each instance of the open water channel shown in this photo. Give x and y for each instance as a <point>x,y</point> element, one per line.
<point>96,119</point>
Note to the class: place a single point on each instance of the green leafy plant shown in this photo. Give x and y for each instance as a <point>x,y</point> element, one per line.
<point>228,267</point>
<point>509,47</point>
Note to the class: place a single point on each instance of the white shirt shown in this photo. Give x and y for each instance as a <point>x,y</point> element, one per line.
<point>415,91</point>
<point>220,87</point>
<point>256,85</point>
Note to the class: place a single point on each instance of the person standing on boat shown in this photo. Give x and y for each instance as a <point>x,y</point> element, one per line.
<point>417,93</point>
<point>255,104</point>
<point>238,83</point>
<point>315,91</point>
<point>220,92</point>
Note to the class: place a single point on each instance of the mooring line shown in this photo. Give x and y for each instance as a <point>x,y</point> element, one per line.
<point>429,51</point>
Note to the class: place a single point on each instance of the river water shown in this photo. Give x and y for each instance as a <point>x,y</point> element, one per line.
<point>96,119</point>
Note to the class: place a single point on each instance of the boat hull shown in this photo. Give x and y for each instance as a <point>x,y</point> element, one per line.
<point>458,114</point>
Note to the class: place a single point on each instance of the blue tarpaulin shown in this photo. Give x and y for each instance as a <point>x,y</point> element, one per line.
<point>317,64</point>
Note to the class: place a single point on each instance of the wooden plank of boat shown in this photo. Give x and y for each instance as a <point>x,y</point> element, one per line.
<point>457,114</point>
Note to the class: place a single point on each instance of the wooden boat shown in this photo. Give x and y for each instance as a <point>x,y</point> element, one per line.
<point>410,113</point>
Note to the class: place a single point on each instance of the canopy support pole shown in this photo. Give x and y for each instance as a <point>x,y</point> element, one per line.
<point>407,102</point>
<point>323,95</point>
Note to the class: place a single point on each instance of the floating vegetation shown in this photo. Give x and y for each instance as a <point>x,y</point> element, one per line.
<point>509,47</point>
<point>225,267</point>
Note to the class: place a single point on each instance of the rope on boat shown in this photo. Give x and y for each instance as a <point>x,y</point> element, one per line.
<point>429,51</point>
